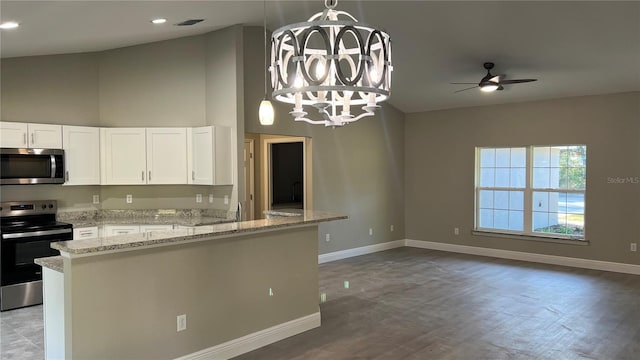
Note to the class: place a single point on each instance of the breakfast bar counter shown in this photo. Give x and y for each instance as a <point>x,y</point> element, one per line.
<point>211,292</point>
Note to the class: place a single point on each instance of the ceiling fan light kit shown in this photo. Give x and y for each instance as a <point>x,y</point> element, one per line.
<point>491,83</point>
<point>332,63</point>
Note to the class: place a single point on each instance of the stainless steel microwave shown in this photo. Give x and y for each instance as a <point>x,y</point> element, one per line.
<point>31,166</point>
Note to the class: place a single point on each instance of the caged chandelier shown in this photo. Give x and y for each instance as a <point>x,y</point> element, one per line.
<point>333,63</point>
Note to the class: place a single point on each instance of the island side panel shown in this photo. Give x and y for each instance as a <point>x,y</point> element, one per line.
<point>124,305</point>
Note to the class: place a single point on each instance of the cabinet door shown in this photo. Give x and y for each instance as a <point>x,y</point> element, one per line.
<point>223,168</point>
<point>201,155</point>
<point>167,155</point>
<point>82,155</point>
<point>13,135</point>
<point>113,230</point>
<point>123,156</point>
<point>85,233</point>
<point>148,228</point>
<point>45,136</point>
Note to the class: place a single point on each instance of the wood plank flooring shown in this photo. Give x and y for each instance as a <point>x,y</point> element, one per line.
<point>412,303</point>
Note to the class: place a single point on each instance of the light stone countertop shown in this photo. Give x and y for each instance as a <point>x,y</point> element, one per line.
<point>153,220</point>
<point>52,262</point>
<point>133,241</point>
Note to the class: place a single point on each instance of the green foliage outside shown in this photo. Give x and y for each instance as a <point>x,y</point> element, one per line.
<point>573,167</point>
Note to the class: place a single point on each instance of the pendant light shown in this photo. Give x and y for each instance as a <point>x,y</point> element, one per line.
<point>265,113</point>
<point>331,63</point>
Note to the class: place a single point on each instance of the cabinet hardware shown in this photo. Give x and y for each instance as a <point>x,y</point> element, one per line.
<point>67,175</point>
<point>143,176</point>
<point>149,175</point>
<point>193,174</point>
<point>33,139</point>
<point>24,138</point>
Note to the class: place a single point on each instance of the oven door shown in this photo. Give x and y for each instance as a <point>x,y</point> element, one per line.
<point>18,250</point>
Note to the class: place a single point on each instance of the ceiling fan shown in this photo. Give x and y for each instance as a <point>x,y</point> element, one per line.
<point>491,82</point>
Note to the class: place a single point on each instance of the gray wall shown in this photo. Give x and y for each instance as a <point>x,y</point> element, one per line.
<point>222,286</point>
<point>357,169</point>
<point>439,169</point>
<point>168,83</point>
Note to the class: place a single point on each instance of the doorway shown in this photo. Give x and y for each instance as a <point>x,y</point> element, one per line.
<point>287,179</point>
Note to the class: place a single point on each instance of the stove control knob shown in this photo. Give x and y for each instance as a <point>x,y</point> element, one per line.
<point>44,206</point>
<point>50,206</point>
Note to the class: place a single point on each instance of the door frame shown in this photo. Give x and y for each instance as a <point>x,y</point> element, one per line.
<point>307,188</point>
<point>250,202</point>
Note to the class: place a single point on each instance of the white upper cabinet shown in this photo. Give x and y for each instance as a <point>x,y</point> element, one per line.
<point>23,135</point>
<point>123,156</point>
<point>82,155</point>
<point>166,156</point>
<point>210,156</point>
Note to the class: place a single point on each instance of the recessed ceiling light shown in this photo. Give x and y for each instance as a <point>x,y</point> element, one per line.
<point>159,21</point>
<point>9,25</point>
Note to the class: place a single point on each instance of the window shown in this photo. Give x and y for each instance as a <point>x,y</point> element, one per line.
<point>535,190</point>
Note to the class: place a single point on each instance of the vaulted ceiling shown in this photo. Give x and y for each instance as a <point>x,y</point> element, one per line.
<point>574,48</point>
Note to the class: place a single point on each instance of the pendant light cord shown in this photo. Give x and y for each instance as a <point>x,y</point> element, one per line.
<point>265,47</point>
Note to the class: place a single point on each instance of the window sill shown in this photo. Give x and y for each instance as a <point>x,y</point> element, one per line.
<point>564,241</point>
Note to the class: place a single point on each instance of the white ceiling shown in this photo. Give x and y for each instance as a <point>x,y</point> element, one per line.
<point>574,48</point>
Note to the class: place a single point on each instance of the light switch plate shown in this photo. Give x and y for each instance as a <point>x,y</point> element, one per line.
<point>96,199</point>
<point>129,199</point>
<point>198,198</point>
<point>226,199</point>
<point>210,198</point>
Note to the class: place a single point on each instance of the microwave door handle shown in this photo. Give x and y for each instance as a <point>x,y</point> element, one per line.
<point>53,166</point>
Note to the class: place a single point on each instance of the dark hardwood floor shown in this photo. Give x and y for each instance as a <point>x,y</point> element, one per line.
<point>410,303</point>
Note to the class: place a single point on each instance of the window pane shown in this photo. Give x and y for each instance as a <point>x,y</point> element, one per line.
<point>516,200</point>
<point>501,200</point>
<point>554,178</point>
<point>486,199</point>
<point>561,202</point>
<point>516,220</point>
<point>486,218</point>
<point>540,201</point>
<point>487,157</point>
<point>575,203</point>
<point>517,178</point>
<point>540,221</point>
<point>576,178</point>
<point>577,156</point>
<point>541,156</point>
<point>501,219</point>
<point>518,157</point>
<point>556,160</point>
<point>502,177</point>
<point>503,157</point>
<point>541,178</point>
<point>486,177</point>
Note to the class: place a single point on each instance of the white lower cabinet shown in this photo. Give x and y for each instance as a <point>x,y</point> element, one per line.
<point>113,230</point>
<point>147,228</point>
<point>85,233</point>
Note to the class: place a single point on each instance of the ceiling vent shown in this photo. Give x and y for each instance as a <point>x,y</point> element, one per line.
<point>189,22</point>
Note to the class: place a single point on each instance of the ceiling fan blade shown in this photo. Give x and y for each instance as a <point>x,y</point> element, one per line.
<point>464,83</point>
<point>500,87</point>
<point>473,87</point>
<point>516,81</point>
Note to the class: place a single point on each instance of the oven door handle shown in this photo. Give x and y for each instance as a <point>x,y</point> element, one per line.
<point>36,233</point>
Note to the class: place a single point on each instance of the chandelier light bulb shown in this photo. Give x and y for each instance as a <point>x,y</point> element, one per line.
<point>320,69</point>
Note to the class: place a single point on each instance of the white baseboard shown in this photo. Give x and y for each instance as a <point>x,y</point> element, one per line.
<point>256,340</point>
<point>343,254</point>
<point>524,256</point>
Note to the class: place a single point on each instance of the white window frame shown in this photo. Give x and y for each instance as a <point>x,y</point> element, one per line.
<point>528,197</point>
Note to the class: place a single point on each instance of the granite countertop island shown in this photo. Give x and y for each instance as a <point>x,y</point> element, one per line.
<point>260,276</point>
<point>133,241</point>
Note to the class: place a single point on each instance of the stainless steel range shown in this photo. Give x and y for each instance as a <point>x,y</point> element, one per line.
<point>28,228</point>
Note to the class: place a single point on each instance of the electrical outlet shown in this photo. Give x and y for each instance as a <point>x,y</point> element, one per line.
<point>96,199</point>
<point>328,237</point>
<point>370,231</point>
<point>226,199</point>
<point>391,228</point>
<point>129,199</point>
<point>210,198</point>
<point>634,247</point>
<point>181,322</point>
<point>271,292</point>
<point>456,231</point>
<point>198,198</point>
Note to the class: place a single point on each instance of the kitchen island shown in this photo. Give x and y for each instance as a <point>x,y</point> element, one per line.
<point>239,285</point>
